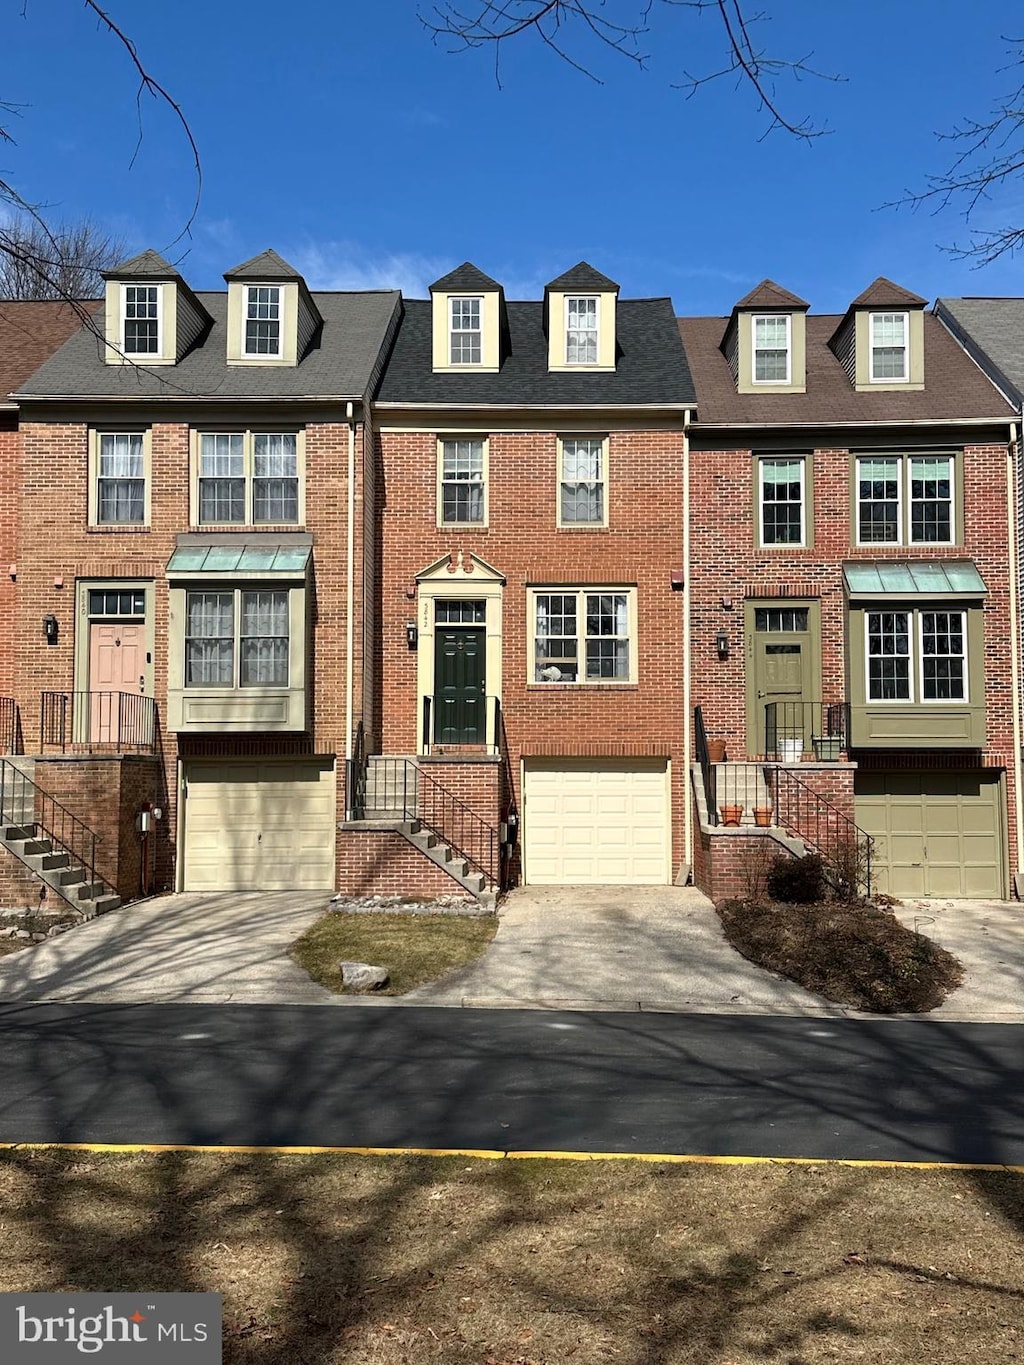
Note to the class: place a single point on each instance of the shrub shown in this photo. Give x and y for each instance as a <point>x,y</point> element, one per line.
<point>797,881</point>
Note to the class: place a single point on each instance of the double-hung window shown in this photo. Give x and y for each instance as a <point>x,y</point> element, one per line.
<point>263,320</point>
<point>465,331</point>
<point>940,655</point>
<point>463,481</point>
<point>582,480</point>
<point>889,347</point>
<point>140,308</point>
<point>237,638</point>
<point>771,349</point>
<point>782,500</point>
<point>119,497</point>
<point>248,478</point>
<point>580,331</point>
<point>906,500</point>
<point>583,636</point>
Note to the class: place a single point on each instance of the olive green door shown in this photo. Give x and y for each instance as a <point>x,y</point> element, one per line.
<point>459,686</point>
<point>782,668</point>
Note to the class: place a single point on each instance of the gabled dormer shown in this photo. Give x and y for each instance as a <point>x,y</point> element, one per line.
<point>272,319</point>
<point>468,320</point>
<point>765,341</point>
<point>880,341</point>
<point>152,316</point>
<point>579,313</point>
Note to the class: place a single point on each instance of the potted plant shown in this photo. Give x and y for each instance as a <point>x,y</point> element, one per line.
<point>716,750</point>
<point>827,747</point>
<point>731,814</point>
<point>763,816</point>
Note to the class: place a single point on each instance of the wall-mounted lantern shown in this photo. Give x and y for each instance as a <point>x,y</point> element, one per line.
<point>50,629</point>
<point>412,634</point>
<point>722,644</point>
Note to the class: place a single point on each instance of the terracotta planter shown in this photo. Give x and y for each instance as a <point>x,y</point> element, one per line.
<point>762,816</point>
<point>716,750</point>
<point>731,815</point>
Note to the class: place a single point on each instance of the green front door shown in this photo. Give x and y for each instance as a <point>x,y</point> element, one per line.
<point>782,670</point>
<point>459,686</point>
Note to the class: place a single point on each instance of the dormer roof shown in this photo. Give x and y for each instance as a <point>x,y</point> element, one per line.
<point>268,265</point>
<point>466,277</point>
<point>147,265</point>
<point>884,294</point>
<point>584,278</point>
<point>768,294</point>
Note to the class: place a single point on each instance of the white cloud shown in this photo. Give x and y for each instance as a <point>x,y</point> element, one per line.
<point>349,265</point>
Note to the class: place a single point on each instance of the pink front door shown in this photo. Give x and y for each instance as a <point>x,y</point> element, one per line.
<point>117,654</point>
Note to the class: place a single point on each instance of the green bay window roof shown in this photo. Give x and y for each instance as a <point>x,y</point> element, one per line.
<point>217,556</point>
<point>913,578</point>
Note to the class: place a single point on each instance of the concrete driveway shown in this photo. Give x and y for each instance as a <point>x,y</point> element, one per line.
<point>215,948</point>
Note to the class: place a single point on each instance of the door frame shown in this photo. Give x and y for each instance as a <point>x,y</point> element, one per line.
<point>83,622</point>
<point>812,688</point>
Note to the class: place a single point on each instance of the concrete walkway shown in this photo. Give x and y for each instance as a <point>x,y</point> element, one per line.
<point>181,948</point>
<point>988,938</point>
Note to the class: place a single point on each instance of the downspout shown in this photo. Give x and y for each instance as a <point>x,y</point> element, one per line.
<point>1013,452</point>
<point>687,777</point>
<point>350,583</point>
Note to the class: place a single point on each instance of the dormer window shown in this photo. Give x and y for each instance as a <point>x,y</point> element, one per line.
<point>771,349</point>
<point>580,331</point>
<point>465,334</point>
<point>889,347</point>
<point>140,313</point>
<point>263,320</point>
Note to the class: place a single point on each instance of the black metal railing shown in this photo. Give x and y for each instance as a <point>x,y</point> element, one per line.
<point>10,727</point>
<point>795,728</point>
<point>355,777</point>
<point>506,799</point>
<point>707,768</point>
<point>93,722</point>
<point>844,846</point>
<point>433,725</point>
<point>27,808</point>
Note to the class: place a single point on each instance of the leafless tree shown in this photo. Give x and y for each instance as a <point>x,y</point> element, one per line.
<point>62,261</point>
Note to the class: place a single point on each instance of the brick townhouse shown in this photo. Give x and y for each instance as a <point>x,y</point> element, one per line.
<point>193,565</point>
<point>854,593</point>
<point>530,612</point>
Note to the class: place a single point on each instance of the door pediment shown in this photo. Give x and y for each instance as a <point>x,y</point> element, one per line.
<point>458,565</point>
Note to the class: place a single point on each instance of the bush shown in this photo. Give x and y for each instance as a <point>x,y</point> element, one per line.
<point>797,881</point>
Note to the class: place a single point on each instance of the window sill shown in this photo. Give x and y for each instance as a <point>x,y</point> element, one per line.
<point>127,529</point>
<point>584,526</point>
<point>274,527</point>
<point>583,687</point>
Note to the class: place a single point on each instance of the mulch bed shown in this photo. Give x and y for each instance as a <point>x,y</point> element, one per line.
<point>854,954</point>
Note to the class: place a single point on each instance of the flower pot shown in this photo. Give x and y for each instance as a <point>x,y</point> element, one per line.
<point>716,750</point>
<point>731,815</point>
<point>826,748</point>
<point>762,816</point>
<point>792,750</point>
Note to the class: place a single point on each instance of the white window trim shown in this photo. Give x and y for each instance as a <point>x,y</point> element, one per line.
<point>780,545</point>
<point>889,379</point>
<point>236,685</point>
<point>764,317</point>
<point>868,656</point>
<point>142,284</point>
<point>559,480</point>
<point>262,355</point>
<point>904,502</point>
<point>486,475</point>
<point>248,435</point>
<point>463,331</point>
<point>93,521</point>
<point>573,298</point>
<point>581,594</point>
<point>922,700</point>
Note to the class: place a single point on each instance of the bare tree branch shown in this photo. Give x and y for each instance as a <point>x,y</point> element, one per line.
<point>60,262</point>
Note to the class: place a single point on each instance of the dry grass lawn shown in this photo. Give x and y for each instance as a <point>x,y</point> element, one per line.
<point>343,1260</point>
<point>414,948</point>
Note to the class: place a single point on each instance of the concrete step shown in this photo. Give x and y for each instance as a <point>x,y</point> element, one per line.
<point>444,857</point>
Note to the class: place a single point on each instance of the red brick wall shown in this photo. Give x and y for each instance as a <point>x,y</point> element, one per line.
<point>382,863</point>
<point>721,861</point>
<point>10,464</point>
<point>22,889</point>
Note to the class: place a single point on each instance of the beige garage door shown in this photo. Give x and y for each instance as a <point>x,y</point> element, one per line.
<point>604,823</point>
<point>936,834</point>
<point>253,826</point>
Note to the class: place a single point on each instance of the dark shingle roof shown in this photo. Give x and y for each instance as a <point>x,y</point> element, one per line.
<point>465,276</point>
<point>147,265</point>
<point>341,366</point>
<point>651,365</point>
<point>29,335</point>
<point>768,294</point>
<point>882,293</point>
<point>268,265</point>
<point>584,277</point>
<point>993,332</point>
<point>954,386</point>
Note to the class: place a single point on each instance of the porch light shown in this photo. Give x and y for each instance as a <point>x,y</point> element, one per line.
<point>50,629</point>
<point>722,644</point>
<point>412,634</point>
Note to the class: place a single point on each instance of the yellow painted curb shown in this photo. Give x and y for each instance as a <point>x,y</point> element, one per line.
<point>495,1154</point>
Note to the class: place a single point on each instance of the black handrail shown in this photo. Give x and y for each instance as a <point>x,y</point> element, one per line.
<point>97,722</point>
<point>355,777</point>
<point>821,727</point>
<point>707,768</point>
<point>431,714</point>
<point>823,827</point>
<point>509,807</point>
<point>10,727</point>
<point>27,807</point>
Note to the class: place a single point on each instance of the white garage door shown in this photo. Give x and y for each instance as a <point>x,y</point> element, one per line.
<point>253,826</point>
<point>592,822</point>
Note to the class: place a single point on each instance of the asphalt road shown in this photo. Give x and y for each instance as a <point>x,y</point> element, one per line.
<point>514,1080</point>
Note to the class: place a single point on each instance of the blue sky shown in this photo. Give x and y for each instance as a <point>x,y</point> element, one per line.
<point>338,134</point>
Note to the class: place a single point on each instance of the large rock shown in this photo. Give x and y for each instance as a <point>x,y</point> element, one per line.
<point>360,976</point>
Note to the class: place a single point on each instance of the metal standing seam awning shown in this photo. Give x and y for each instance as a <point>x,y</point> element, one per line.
<point>240,556</point>
<point>934,579</point>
